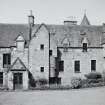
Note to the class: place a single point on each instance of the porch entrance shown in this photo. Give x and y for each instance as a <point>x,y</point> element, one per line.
<point>18,80</point>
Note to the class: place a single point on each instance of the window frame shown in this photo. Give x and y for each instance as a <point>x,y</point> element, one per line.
<point>41,46</point>
<point>61,66</point>
<point>93,65</point>
<point>6,60</point>
<point>41,69</point>
<point>77,66</point>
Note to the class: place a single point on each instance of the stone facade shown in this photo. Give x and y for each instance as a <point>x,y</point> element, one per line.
<point>76,54</point>
<point>39,57</point>
<point>37,50</point>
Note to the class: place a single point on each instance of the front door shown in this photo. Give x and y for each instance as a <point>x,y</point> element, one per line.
<point>18,80</point>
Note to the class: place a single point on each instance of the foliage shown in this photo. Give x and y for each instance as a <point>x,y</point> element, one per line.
<point>93,75</point>
<point>32,82</point>
<point>103,76</point>
<point>86,83</point>
<point>93,79</point>
<point>42,81</point>
<point>76,82</point>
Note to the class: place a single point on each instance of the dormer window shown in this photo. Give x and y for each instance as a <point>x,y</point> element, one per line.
<point>84,47</point>
<point>85,44</point>
<point>66,43</point>
<point>20,42</point>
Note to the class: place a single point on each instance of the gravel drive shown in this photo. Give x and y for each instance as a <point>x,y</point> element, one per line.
<point>90,96</point>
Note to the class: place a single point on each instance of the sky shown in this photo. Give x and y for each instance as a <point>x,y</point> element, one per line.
<point>52,11</point>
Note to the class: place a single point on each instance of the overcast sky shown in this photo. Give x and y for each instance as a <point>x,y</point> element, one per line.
<point>51,11</point>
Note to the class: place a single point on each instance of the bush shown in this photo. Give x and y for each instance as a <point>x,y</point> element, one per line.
<point>93,79</point>
<point>76,82</point>
<point>103,76</point>
<point>92,83</point>
<point>41,81</point>
<point>93,75</point>
<point>32,83</point>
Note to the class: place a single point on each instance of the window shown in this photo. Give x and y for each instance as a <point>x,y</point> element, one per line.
<point>42,69</point>
<point>77,66</point>
<point>1,78</point>
<point>61,65</point>
<point>65,45</point>
<point>42,46</point>
<point>6,60</point>
<point>50,52</point>
<point>84,47</point>
<point>93,65</point>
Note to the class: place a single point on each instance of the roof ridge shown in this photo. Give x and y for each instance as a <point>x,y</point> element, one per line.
<point>13,24</point>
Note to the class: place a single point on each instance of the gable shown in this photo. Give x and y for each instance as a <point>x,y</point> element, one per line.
<point>41,29</point>
<point>41,36</point>
<point>20,37</point>
<point>18,65</point>
<point>66,41</point>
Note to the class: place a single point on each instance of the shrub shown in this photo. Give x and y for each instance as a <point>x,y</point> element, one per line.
<point>42,81</point>
<point>32,82</point>
<point>93,75</point>
<point>92,83</point>
<point>93,79</point>
<point>76,82</point>
<point>103,76</point>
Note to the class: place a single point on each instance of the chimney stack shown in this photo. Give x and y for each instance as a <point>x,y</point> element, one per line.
<point>31,23</point>
<point>70,21</point>
<point>31,19</point>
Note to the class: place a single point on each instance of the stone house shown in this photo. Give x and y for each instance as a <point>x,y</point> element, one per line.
<point>52,52</point>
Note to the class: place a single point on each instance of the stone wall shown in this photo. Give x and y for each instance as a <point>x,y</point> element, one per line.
<point>4,70</point>
<point>3,51</point>
<point>22,54</point>
<point>39,58</point>
<point>85,62</point>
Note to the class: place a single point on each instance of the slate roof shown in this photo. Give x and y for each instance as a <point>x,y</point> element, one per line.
<point>9,32</point>
<point>75,34</point>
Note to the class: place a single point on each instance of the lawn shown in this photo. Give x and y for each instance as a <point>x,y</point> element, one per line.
<point>90,96</point>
